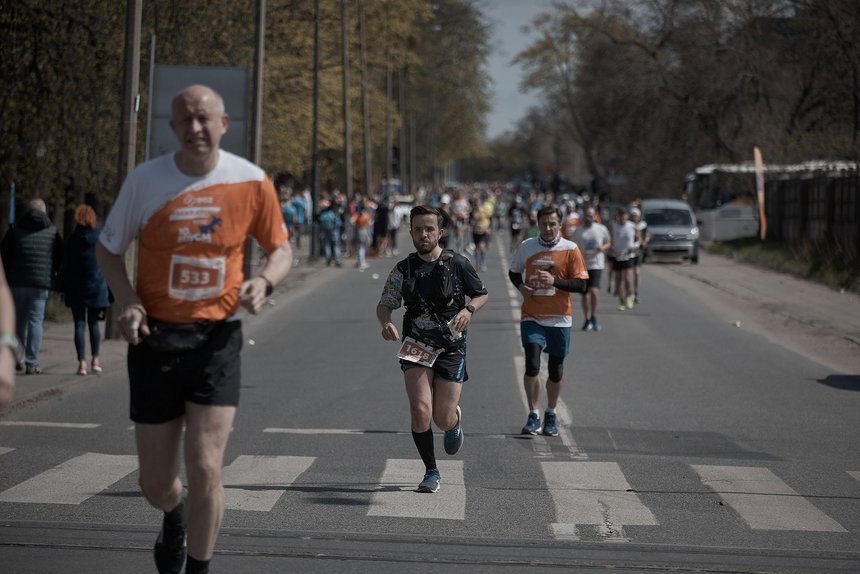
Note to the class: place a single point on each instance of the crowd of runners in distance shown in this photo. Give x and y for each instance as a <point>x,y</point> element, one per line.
<point>613,238</point>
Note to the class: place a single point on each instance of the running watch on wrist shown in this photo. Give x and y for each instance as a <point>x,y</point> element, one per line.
<point>11,341</point>
<point>470,308</point>
<point>269,287</point>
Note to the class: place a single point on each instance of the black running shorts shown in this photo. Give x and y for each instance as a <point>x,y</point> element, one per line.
<point>448,366</point>
<point>161,383</point>
<point>593,281</point>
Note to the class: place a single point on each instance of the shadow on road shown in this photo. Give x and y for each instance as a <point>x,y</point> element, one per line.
<point>844,382</point>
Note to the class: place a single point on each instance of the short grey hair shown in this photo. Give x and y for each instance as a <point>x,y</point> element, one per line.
<point>38,204</point>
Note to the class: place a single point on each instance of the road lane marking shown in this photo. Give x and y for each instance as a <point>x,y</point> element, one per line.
<point>329,431</point>
<point>398,497</point>
<point>763,500</point>
<point>855,473</point>
<point>257,482</point>
<point>596,494</point>
<point>307,431</point>
<point>49,424</point>
<point>73,481</point>
<point>4,449</point>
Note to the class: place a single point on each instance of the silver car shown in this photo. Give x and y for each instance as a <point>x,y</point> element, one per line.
<point>673,230</point>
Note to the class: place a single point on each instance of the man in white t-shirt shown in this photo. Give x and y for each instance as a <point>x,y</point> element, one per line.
<point>623,249</point>
<point>594,241</point>
<point>642,238</point>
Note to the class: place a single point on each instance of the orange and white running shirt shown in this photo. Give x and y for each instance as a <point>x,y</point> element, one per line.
<point>192,233</point>
<point>549,307</point>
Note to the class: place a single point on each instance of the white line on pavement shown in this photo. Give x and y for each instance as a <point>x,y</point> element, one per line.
<point>49,424</point>
<point>763,500</point>
<point>399,498</point>
<point>248,483</point>
<point>73,481</point>
<point>306,431</point>
<point>593,493</point>
<point>855,473</point>
<point>4,449</point>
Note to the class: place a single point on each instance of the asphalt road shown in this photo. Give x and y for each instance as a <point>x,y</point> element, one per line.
<point>689,444</point>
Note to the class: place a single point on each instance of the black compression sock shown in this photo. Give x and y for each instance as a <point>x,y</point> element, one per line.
<point>194,566</point>
<point>175,516</point>
<point>424,442</point>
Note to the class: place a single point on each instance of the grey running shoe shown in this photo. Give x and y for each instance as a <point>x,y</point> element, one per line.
<point>454,437</point>
<point>532,424</point>
<point>595,325</point>
<point>550,424</point>
<point>170,548</point>
<point>587,326</point>
<point>430,482</point>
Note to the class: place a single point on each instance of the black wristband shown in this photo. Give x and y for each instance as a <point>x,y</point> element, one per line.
<point>269,287</point>
<point>470,308</point>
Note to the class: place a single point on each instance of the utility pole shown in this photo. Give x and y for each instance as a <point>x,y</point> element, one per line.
<point>403,174</point>
<point>347,129</point>
<point>368,173</point>
<point>252,250</point>
<point>389,143</point>
<point>259,52</point>
<point>131,72</point>
<point>128,127</point>
<point>315,159</point>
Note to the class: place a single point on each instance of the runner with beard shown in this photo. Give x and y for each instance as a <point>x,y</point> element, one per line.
<point>433,285</point>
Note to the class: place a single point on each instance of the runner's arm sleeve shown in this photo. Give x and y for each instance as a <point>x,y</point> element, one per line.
<point>569,285</point>
<point>516,278</point>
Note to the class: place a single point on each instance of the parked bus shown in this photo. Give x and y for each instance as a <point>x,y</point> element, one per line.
<point>723,196</point>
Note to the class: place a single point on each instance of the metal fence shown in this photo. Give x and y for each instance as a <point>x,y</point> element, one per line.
<point>822,209</point>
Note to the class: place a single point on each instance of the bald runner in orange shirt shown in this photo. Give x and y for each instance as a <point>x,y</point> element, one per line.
<point>191,212</point>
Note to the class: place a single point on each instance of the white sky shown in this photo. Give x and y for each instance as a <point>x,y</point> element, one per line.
<point>507,18</point>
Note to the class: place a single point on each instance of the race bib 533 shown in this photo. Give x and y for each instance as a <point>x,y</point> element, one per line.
<point>195,278</point>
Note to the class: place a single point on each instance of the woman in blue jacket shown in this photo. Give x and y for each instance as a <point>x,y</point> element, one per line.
<point>86,292</point>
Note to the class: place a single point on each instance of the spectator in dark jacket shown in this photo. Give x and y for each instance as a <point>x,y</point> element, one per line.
<point>86,291</point>
<point>32,252</point>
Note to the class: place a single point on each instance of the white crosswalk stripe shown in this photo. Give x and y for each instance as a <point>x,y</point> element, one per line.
<point>589,498</point>
<point>596,494</point>
<point>399,499</point>
<point>73,481</point>
<point>258,482</point>
<point>763,500</point>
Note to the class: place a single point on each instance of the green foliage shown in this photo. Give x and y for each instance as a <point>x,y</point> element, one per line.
<point>62,62</point>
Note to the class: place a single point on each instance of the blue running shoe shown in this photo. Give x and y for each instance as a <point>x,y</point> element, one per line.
<point>454,436</point>
<point>550,424</point>
<point>595,325</point>
<point>430,482</point>
<point>532,424</point>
